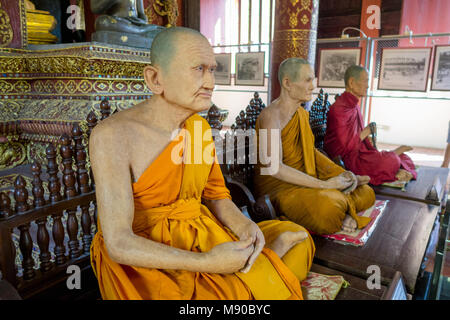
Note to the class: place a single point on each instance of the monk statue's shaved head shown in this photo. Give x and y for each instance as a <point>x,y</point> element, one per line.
<point>353,72</point>
<point>166,43</point>
<point>291,68</point>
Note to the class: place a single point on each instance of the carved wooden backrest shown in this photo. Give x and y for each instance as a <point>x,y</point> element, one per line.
<point>46,226</point>
<point>318,122</point>
<point>318,118</point>
<point>236,151</point>
<point>53,225</point>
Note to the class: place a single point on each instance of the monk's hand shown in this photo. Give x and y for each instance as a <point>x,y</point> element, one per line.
<point>402,149</point>
<point>354,181</point>
<point>229,257</point>
<point>252,231</point>
<point>365,133</point>
<point>344,181</point>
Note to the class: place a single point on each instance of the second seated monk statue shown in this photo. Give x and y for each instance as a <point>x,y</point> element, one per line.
<point>123,22</point>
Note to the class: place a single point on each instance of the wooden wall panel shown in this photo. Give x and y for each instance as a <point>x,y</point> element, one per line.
<point>334,16</point>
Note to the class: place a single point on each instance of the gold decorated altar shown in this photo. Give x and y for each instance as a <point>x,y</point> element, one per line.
<point>45,89</point>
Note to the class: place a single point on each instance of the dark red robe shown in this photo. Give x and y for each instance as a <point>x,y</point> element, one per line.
<point>344,125</point>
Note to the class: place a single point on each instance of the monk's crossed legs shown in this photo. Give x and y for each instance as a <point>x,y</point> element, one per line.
<point>292,243</point>
<point>322,210</point>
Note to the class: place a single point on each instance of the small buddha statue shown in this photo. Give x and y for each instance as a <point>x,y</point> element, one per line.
<point>39,25</point>
<point>123,22</point>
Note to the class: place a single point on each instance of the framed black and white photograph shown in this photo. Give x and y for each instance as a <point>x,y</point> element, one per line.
<point>404,69</point>
<point>223,70</point>
<point>250,69</point>
<point>441,69</point>
<point>333,63</point>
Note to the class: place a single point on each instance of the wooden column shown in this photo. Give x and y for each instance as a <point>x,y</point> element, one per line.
<point>192,14</point>
<point>295,35</point>
<point>366,25</point>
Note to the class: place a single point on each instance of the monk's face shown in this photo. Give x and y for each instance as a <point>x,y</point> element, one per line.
<point>358,87</point>
<point>302,89</point>
<point>189,78</point>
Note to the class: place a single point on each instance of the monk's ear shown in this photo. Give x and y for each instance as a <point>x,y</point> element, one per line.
<point>152,77</point>
<point>351,83</point>
<point>286,83</point>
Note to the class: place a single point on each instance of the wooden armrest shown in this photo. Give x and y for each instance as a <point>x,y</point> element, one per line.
<point>258,210</point>
<point>8,292</point>
<point>435,190</point>
<point>397,289</point>
<point>263,209</point>
<point>338,161</point>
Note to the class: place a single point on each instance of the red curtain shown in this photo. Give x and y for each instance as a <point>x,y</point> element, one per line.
<point>212,20</point>
<point>424,17</point>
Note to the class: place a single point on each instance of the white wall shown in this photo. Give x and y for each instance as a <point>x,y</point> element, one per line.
<point>236,100</point>
<point>419,121</point>
<point>414,122</point>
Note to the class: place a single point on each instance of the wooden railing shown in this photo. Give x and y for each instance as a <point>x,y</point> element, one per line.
<point>55,225</point>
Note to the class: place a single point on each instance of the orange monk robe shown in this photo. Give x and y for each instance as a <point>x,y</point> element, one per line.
<point>168,209</point>
<point>318,210</point>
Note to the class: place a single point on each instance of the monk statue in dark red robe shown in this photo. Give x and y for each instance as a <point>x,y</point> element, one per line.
<point>347,137</point>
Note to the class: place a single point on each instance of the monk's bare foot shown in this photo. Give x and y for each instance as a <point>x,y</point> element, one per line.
<point>362,180</point>
<point>403,175</point>
<point>286,241</point>
<point>349,224</point>
<point>402,149</point>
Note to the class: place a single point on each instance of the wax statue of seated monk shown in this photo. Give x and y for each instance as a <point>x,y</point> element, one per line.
<point>156,238</point>
<point>347,137</point>
<point>125,16</point>
<point>303,184</point>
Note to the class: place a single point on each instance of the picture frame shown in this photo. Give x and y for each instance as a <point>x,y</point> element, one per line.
<point>250,69</point>
<point>223,71</point>
<point>333,62</point>
<point>404,69</point>
<point>441,68</point>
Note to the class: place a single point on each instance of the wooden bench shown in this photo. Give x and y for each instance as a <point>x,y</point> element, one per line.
<point>8,292</point>
<point>429,187</point>
<point>398,243</point>
<point>359,290</point>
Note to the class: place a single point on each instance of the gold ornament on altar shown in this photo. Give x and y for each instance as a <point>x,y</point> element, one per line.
<point>167,8</point>
<point>6,32</point>
<point>11,154</point>
<point>39,25</point>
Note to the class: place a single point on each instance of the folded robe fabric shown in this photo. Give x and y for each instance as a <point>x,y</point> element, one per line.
<point>168,210</point>
<point>344,125</point>
<point>319,210</point>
